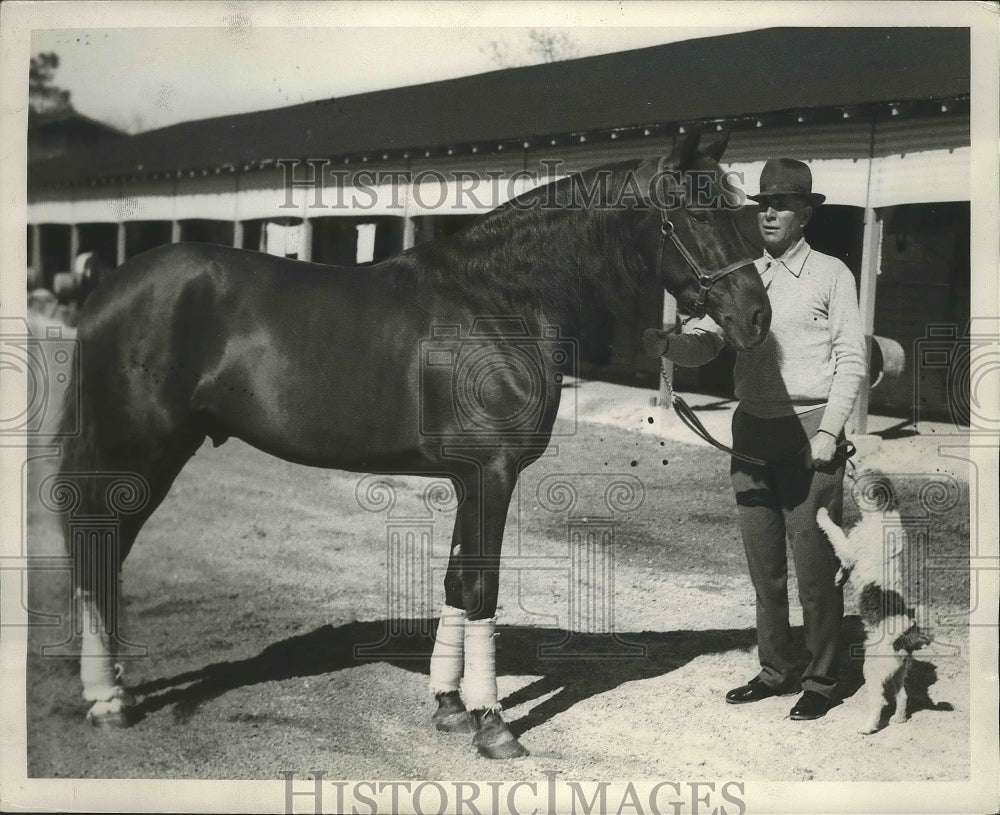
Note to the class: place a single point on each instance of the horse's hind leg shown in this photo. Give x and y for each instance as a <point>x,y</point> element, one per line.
<point>114,496</point>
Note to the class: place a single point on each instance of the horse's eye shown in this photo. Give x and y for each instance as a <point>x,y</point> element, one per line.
<point>702,216</point>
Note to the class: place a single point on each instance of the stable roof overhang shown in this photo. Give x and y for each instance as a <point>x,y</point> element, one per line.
<point>735,79</point>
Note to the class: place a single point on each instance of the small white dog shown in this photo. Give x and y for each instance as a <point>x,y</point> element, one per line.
<point>871,554</point>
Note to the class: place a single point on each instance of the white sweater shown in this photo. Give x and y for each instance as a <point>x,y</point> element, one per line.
<point>815,353</point>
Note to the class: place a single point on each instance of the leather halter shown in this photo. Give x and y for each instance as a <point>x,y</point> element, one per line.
<point>706,277</point>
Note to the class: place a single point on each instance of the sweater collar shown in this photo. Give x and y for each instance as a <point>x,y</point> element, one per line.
<point>793,259</point>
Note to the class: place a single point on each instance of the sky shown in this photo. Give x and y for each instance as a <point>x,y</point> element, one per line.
<point>143,78</point>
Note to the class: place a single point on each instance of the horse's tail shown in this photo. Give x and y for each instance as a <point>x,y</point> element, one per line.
<point>73,440</point>
<point>82,491</point>
<point>72,414</point>
<point>68,424</point>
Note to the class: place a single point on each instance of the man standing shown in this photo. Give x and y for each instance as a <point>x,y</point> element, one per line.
<point>796,391</point>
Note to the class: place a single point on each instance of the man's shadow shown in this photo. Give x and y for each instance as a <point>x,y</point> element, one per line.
<point>576,666</point>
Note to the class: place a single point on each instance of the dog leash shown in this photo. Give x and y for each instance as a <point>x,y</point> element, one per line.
<point>845,448</point>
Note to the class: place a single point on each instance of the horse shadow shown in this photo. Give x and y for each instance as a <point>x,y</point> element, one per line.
<point>571,666</point>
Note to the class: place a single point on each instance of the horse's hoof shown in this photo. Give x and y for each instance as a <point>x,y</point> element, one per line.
<point>451,715</point>
<point>108,715</point>
<point>112,713</point>
<point>493,739</point>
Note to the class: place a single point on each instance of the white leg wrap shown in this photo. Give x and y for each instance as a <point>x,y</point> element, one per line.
<point>480,688</point>
<point>98,672</point>
<point>448,658</point>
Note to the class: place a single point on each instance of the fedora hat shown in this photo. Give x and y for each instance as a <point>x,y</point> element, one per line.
<point>787,176</point>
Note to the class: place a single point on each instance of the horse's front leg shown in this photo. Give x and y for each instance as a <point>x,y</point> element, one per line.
<point>480,525</point>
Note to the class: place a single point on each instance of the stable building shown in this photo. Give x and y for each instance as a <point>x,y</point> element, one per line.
<point>880,114</point>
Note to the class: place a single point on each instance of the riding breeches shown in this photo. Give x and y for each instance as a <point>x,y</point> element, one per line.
<point>777,504</point>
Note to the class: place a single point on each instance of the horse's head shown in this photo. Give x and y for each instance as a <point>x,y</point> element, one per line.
<point>700,256</point>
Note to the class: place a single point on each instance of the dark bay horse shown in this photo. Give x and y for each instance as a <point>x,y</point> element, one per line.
<point>444,360</point>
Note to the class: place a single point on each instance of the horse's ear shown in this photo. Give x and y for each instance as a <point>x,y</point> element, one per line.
<point>685,150</point>
<point>717,147</point>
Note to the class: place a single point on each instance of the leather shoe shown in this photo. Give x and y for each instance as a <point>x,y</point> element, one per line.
<point>811,705</point>
<point>752,691</point>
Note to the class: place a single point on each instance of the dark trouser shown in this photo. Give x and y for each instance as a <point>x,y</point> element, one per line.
<point>775,502</point>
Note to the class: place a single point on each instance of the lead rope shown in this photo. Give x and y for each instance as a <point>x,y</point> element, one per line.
<point>684,412</point>
<point>693,423</point>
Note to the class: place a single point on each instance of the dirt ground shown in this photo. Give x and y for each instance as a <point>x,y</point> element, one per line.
<point>268,598</point>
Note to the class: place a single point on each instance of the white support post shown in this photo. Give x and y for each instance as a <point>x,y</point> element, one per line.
<point>667,367</point>
<point>409,232</point>
<point>305,240</point>
<point>176,232</point>
<point>871,261</point>
<point>36,253</point>
<point>238,234</point>
<point>74,245</point>
<point>120,244</point>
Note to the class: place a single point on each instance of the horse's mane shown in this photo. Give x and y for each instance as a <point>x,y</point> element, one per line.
<point>542,249</point>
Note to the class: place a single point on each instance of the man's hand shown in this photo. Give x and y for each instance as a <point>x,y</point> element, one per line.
<point>655,342</point>
<point>823,448</point>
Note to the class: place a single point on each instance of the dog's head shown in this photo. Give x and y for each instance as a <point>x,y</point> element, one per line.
<point>873,491</point>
